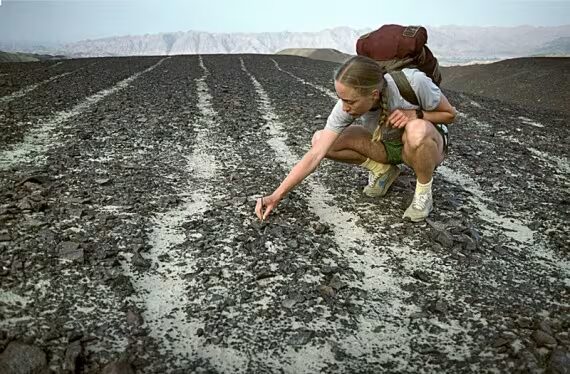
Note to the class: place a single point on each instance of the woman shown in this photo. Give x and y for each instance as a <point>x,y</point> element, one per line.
<point>407,133</point>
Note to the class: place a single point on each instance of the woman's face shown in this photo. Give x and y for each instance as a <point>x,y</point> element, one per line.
<point>353,102</point>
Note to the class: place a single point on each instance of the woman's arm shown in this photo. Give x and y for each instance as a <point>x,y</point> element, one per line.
<point>300,171</point>
<point>443,113</point>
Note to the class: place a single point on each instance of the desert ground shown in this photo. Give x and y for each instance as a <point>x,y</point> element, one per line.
<point>128,240</point>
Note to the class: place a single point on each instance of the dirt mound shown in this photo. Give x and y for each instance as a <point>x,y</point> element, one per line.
<point>537,82</point>
<point>325,54</point>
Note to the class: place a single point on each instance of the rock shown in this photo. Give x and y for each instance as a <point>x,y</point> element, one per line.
<point>288,302</point>
<point>559,362</point>
<point>440,306</point>
<point>301,337</point>
<point>71,251</point>
<point>134,319</point>
<point>421,275</point>
<point>264,274</point>
<point>543,339</point>
<point>5,236</point>
<point>327,291</point>
<point>25,204</point>
<point>336,282</point>
<point>73,355</point>
<point>500,342</point>
<point>20,358</point>
<point>524,322</point>
<point>139,261</point>
<point>544,326</point>
<point>103,181</point>
<point>292,244</point>
<point>118,367</point>
<point>468,243</point>
<point>443,237</point>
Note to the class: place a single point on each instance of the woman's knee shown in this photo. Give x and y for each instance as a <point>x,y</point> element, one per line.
<point>417,133</point>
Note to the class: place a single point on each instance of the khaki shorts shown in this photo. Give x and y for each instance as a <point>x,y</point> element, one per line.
<point>394,147</point>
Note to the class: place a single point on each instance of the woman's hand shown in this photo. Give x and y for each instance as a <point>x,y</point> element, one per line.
<point>400,117</point>
<point>265,205</point>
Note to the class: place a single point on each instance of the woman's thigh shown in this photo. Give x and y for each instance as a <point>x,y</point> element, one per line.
<point>357,138</point>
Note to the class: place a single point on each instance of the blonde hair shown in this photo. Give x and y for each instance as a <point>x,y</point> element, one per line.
<point>365,75</point>
<point>361,73</point>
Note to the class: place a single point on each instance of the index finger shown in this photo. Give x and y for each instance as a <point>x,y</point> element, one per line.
<point>258,209</point>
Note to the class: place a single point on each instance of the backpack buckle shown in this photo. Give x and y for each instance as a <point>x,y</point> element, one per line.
<point>411,31</point>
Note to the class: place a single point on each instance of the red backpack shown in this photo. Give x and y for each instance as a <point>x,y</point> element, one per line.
<point>396,47</point>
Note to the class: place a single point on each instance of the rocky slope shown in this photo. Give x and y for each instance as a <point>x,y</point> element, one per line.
<point>540,82</point>
<point>128,240</point>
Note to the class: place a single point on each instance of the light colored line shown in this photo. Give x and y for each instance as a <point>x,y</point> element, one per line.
<point>41,137</point>
<point>528,121</point>
<point>163,291</point>
<point>393,341</point>
<point>28,89</point>
<point>324,90</point>
<point>515,229</point>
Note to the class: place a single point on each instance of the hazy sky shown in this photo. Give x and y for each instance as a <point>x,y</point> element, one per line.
<point>71,20</point>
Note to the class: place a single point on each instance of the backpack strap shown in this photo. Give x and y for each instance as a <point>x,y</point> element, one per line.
<point>404,87</point>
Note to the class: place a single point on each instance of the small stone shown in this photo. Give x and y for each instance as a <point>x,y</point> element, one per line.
<point>327,291</point>
<point>102,181</point>
<point>71,251</point>
<point>288,302</point>
<point>292,244</point>
<point>336,282</point>
<point>544,326</point>
<point>559,362</point>
<point>421,275</point>
<point>543,339</point>
<point>440,306</point>
<point>301,337</point>
<point>118,367</point>
<point>139,261</point>
<point>25,204</point>
<point>524,322</point>
<point>200,332</point>
<point>5,236</point>
<point>134,319</point>
<point>500,342</point>
<point>22,358</point>
<point>444,238</point>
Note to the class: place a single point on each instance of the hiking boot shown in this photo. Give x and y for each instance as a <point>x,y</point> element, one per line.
<point>420,208</point>
<point>378,185</point>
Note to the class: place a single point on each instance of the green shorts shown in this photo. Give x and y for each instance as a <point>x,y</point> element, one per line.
<point>394,147</point>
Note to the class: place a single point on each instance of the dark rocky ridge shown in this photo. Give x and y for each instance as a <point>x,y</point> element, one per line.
<point>81,227</point>
<point>533,83</point>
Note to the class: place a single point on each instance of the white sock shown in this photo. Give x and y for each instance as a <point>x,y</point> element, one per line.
<point>423,188</point>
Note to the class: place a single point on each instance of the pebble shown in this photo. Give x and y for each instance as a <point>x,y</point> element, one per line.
<point>118,367</point>
<point>543,339</point>
<point>20,358</point>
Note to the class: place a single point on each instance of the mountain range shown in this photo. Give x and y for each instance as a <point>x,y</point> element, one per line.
<point>451,44</point>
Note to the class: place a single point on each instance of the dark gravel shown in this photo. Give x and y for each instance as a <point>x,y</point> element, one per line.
<point>130,244</point>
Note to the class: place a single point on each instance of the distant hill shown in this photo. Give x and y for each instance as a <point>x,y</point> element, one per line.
<point>451,44</point>
<point>557,47</point>
<point>538,82</point>
<point>325,54</point>
<point>17,57</point>
<point>27,57</point>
